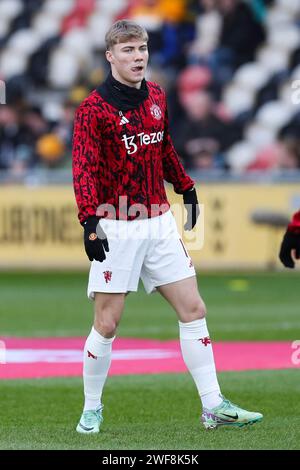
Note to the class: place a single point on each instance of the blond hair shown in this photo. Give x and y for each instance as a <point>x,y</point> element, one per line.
<point>123,31</point>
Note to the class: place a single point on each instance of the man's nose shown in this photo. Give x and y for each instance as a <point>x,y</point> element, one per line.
<point>138,56</point>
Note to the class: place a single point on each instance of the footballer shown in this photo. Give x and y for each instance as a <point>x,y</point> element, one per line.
<point>122,154</point>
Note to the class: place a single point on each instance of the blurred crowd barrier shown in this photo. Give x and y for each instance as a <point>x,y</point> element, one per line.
<point>241,226</point>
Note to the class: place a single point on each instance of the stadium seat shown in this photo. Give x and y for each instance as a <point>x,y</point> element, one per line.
<point>63,68</point>
<point>46,25</point>
<point>274,114</point>
<point>285,38</point>
<point>251,76</point>
<point>150,22</point>
<point>273,60</point>
<point>240,155</point>
<point>259,136</point>
<point>10,9</point>
<point>291,6</point>
<point>84,7</point>
<point>78,42</point>
<point>98,22</point>
<point>266,158</point>
<point>290,95</point>
<point>111,7</point>
<point>58,8</point>
<point>277,17</point>
<point>24,41</point>
<point>4,26</point>
<point>72,21</point>
<point>237,99</point>
<point>12,63</point>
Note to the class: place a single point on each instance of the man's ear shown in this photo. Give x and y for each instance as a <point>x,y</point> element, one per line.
<point>109,56</point>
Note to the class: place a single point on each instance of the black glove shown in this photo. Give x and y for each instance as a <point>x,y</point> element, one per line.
<point>192,207</point>
<point>291,241</point>
<point>95,241</point>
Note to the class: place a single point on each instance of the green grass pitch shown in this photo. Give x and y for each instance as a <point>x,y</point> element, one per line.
<point>155,411</point>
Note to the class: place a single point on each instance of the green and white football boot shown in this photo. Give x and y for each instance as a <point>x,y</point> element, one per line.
<point>90,421</point>
<point>228,414</point>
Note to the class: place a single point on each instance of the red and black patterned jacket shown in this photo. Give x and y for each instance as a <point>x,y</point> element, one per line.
<point>124,154</point>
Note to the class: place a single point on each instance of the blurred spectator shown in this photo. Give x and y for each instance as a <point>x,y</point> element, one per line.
<point>227,36</point>
<point>208,27</point>
<point>202,42</point>
<point>51,150</point>
<point>27,143</point>
<point>193,78</point>
<point>64,128</point>
<point>240,31</point>
<point>203,154</point>
<point>14,152</point>
<point>288,157</point>
<point>283,154</point>
<point>35,125</point>
<point>169,28</point>
<point>35,122</point>
<point>149,14</point>
<point>266,159</point>
<point>201,130</point>
<point>240,35</point>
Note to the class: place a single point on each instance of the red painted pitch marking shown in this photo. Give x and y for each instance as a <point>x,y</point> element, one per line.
<point>229,356</point>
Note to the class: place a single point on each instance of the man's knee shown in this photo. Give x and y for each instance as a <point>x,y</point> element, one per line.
<point>108,312</point>
<point>196,311</point>
<point>199,309</point>
<point>107,319</point>
<point>107,327</point>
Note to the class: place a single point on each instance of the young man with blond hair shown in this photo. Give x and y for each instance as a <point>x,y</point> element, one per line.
<point>122,153</point>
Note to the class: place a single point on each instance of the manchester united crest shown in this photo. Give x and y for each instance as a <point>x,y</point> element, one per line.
<point>107,276</point>
<point>156,111</point>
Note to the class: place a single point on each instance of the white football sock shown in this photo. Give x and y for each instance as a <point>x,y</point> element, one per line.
<point>96,363</point>
<point>198,356</point>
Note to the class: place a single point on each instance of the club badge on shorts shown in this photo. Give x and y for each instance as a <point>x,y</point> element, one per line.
<point>107,276</point>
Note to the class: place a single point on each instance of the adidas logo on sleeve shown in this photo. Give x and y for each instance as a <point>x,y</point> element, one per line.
<point>123,121</point>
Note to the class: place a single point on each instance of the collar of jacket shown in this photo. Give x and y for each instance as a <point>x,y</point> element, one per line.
<point>121,96</point>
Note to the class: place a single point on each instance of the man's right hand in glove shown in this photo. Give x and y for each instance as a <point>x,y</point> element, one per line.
<point>95,241</point>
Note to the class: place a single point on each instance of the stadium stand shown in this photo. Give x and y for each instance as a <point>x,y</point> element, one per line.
<point>228,66</point>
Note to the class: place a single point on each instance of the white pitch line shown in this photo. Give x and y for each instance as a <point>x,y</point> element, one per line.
<point>25,356</point>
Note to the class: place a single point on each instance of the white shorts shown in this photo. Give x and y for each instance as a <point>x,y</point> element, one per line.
<point>150,249</point>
